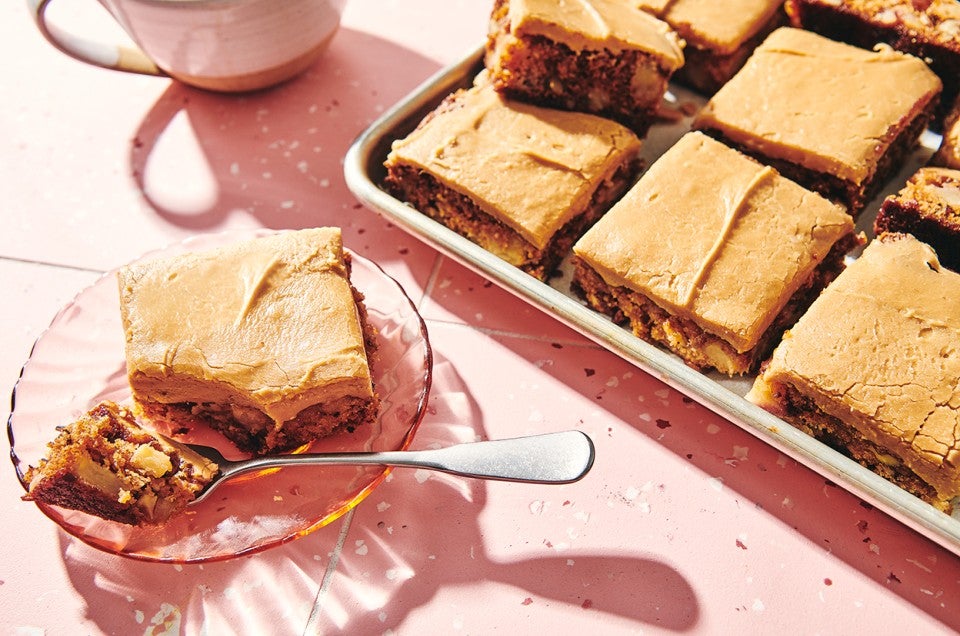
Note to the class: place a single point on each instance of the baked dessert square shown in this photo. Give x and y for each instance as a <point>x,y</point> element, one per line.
<point>835,118</point>
<point>871,369</point>
<point>948,154</point>
<point>719,36</point>
<point>105,464</point>
<point>712,255</point>
<point>928,29</point>
<point>265,340</point>
<point>928,207</point>
<point>605,57</point>
<point>521,181</point>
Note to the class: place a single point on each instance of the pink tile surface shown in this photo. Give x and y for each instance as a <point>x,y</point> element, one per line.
<point>685,524</point>
<point>459,295</point>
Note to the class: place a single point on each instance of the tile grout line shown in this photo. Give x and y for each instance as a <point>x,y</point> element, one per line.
<point>314,617</point>
<point>427,298</point>
<point>431,282</point>
<point>26,261</point>
<point>516,335</point>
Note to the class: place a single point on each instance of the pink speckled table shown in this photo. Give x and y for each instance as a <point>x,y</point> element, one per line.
<point>685,524</point>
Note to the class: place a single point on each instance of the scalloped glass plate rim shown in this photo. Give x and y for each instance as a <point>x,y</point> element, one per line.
<point>77,524</point>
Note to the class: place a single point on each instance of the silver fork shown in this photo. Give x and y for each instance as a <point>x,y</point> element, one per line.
<point>551,458</point>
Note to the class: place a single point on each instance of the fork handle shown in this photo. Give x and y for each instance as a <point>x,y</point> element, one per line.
<point>551,458</point>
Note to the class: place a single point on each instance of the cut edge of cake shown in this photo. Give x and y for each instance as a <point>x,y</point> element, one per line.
<point>106,464</point>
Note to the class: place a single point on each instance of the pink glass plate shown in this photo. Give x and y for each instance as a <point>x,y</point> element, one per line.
<point>79,361</point>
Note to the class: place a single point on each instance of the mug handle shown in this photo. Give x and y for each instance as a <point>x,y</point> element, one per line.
<point>112,56</point>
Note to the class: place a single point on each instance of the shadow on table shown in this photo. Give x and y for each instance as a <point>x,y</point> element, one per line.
<point>276,156</point>
<point>200,158</point>
<point>207,162</point>
<point>275,591</point>
<point>376,586</point>
<point>867,539</point>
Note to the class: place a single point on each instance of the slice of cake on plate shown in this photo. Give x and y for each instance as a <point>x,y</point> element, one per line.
<point>265,340</point>
<point>712,255</point>
<point>605,57</point>
<point>105,464</point>
<point>835,118</point>
<point>521,181</point>
<point>928,207</point>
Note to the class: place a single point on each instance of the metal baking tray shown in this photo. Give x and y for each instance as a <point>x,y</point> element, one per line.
<point>364,173</point>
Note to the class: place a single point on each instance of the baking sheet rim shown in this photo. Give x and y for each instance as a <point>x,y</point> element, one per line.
<point>369,149</point>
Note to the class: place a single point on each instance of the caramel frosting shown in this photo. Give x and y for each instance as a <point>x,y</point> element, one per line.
<point>532,168</point>
<point>880,350</point>
<point>713,236</point>
<point>827,106</point>
<point>597,25</point>
<point>721,26</point>
<point>270,323</point>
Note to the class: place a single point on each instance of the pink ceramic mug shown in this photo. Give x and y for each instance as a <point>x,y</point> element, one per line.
<point>222,45</point>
